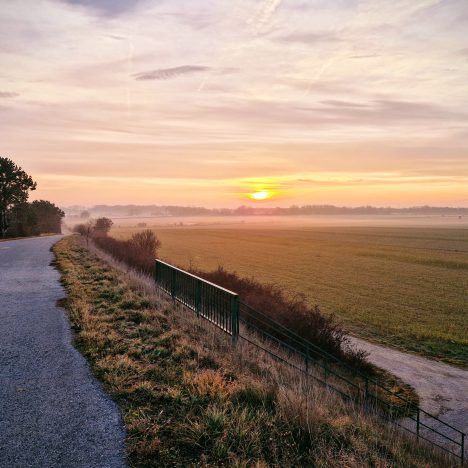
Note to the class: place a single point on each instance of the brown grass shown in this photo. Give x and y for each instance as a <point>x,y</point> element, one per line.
<point>188,398</point>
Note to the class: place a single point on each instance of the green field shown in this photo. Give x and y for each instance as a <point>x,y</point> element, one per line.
<point>403,286</point>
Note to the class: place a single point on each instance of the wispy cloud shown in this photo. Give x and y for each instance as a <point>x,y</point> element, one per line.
<point>364,56</point>
<point>8,94</point>
<point>380,112</point>
<point>310,38</point>
<point>263,17</point>
<point>109,7</point>
<point>170,73</point>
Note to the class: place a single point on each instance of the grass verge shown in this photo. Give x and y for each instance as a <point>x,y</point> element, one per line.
<point>189,399</point>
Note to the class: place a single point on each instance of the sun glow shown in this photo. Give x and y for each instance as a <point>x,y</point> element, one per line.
<point>261,195</point>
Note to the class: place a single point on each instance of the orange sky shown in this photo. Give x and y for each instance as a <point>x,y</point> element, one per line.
<point>201,103</point>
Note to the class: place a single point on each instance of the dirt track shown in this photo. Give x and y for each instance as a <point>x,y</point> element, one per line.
<point>442,388</point>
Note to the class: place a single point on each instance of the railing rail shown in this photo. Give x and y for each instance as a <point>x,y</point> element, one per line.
<point>223,308</point>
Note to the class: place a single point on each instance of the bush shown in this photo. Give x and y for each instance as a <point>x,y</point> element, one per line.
<point>308,322</point>
<point>80,229</point>
<point>103,225</point>
<point>138,252</point>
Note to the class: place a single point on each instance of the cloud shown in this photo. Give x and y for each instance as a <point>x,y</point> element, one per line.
<point>338,103</point>
<point>384,112</point>
<point>8,94</point>
<point>364,56</point>
<point>170,73</point>
<point>310,38</point>
<point>116,37</point>
<point>110,7</point>
<point>264,15</point>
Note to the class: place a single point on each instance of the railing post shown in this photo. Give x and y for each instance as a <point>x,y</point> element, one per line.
<point>417,424</point>
<point>173,284</point>
<point>235,318</point>
<point>156,272</point>
<point>198,298</point>
<point>307,360</point>
<point>462,455</point>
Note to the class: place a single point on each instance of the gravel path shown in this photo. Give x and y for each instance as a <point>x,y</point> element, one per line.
<point>53,412</point>
<point>442,388</point>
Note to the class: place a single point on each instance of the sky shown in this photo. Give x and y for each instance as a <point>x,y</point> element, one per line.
<point>203,102</point>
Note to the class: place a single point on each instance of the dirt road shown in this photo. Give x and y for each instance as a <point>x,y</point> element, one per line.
<point>442,388</point>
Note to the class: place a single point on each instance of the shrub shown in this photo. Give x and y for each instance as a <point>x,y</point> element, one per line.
<point>103,225</point>
<point>86,230</point>
<point>138,252</point>
<point>80,229</point>
<point>294,313</point>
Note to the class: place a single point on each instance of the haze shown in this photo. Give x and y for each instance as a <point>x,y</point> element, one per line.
<point>205,102</point>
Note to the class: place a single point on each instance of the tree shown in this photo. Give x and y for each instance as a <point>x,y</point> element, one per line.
<point>49,217</point>
<point>86,230</point>
<point>15,185</point>
<point>85,215</point>
<point>146,241</point>
<point>22,221</point>
<point>103,225</point>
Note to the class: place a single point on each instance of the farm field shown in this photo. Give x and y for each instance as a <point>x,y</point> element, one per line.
<point>402,286</point>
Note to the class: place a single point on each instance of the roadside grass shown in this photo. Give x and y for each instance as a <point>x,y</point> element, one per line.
<point>188,398</point>
<point>403,287</point>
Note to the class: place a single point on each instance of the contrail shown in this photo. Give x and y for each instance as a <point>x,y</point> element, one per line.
<point>130,54</point>
<point>263,17</point>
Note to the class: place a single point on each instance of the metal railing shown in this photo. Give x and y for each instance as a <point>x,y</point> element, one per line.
<point>223,308</point>
<point>214,303</point>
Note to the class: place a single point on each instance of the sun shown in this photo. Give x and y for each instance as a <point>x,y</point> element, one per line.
<point>261,195</point>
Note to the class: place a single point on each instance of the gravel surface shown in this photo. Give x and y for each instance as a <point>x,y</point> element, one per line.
<point>442,388</point>
<point>53,412</point>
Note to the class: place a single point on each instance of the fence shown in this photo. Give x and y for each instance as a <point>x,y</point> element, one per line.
<point>218,305</point>
<point>223,308</point>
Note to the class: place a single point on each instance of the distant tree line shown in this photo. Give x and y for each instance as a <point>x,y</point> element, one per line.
<point>171,210</point>
<point>18,217</point>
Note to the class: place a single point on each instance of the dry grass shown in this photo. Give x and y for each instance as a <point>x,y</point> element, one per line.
<point>189,398</point>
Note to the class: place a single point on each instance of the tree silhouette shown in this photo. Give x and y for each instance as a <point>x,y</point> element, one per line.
<point>103,225</point>
<point>15,185</point>
<point>49,217</point>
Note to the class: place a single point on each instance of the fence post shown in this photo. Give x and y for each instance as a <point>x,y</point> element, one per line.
<point>235,318</point>
<point>156,272</point>
<point>462,455</point>
<point>173,284</point>
<point>198,299</point>
<point>417,424</point>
